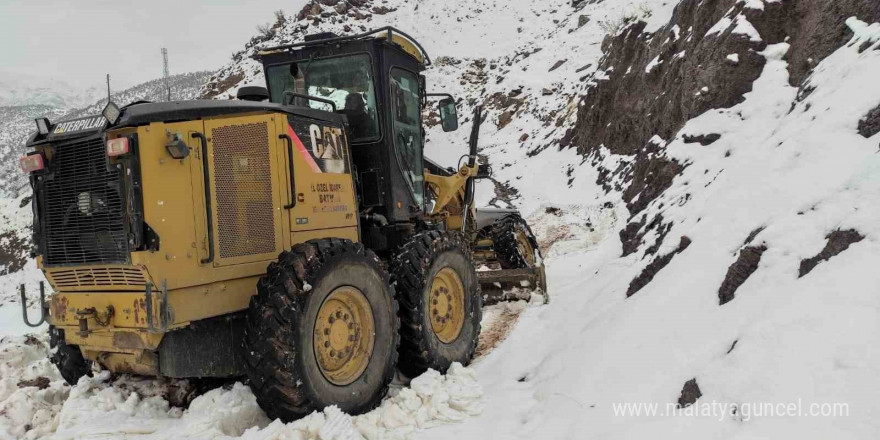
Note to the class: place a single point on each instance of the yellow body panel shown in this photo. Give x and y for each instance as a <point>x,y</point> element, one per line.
<point>249,188</point>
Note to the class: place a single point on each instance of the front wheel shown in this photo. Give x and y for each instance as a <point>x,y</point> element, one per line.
<point>322,330</point>
<point>440,302</point>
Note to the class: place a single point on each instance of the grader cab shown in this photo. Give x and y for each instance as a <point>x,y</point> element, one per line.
<point>296,236</point>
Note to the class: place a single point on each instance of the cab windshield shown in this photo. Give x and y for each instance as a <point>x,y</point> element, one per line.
<point>346,81</point>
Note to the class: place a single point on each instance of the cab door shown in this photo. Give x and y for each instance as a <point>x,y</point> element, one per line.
<point>322,194</point>
<point>244,175</point>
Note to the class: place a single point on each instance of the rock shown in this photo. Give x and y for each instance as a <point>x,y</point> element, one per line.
<point>838,241</point>
<point>739,272</point>
<point>382,10</point>
<point>753,234</point>
<point>654,267</point>
<point>546,92</point>
<point>702,139</point>
<point>524,137</point>
<point>41,382</point>
<point>870,124</point>
<point>582,20</point>
<point>651,175</point>
<point>630,237</point>
<point>557,64</point>
<point>504,119</point>
<point>689,394</point>
<point>732,346</point>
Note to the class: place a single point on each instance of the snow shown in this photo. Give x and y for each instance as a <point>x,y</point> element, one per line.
<point>741,25</point>
<point>797,168</point>
<point>134,408</point>
<point>754,4</point>
<point>863,31</point>
<point>734,58</point>
<point>654,63</point>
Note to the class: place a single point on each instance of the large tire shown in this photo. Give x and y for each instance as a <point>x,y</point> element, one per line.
<point>283,336</point>
<point>428,256</point>
<point>515,245</point>
<point>67,358</point>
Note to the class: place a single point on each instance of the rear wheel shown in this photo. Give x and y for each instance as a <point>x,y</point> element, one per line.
<point>67,358</point>
<point>322,330</point>
<point>440,302</point>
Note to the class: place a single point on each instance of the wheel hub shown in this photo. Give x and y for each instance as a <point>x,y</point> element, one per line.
<point>525,248</point>
<point>344,335</point>
<point>446,305</point>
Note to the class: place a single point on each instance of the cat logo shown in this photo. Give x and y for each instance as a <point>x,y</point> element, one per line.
<point>82,124</point>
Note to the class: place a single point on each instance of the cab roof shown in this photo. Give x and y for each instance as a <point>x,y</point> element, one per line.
<point>394,36</point>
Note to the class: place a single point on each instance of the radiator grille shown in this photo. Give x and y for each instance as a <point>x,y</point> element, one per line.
<point>243,183</point>
<point>98,276</point>
<point>82,210</point>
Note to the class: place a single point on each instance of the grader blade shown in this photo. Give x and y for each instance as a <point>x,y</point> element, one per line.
<point>512,284</point>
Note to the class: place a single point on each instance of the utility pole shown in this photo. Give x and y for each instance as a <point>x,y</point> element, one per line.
<point>108,87</point>
<point>165,72</point>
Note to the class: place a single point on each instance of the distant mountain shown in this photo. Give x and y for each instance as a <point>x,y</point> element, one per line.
<point>26,90</point>
<point>17,121</point>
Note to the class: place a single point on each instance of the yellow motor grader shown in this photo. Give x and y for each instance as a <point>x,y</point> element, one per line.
<point>296,236</point>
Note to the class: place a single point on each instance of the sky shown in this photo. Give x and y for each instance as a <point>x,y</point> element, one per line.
<point>81,41</point>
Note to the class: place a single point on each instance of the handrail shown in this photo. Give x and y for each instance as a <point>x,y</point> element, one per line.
<point>290,169</point>
<point>208,214</point>
<point>304,96</point>
<point>24,312</point>
<point>390,29</point>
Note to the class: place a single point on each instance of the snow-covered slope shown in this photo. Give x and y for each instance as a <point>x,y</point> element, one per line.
<point>703,176</point>
<point>21,90</point>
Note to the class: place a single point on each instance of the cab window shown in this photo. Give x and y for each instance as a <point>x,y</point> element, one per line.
<point>346,81</point>
<point>406,126</point>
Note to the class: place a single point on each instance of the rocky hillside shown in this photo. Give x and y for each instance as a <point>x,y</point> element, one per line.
<point>703,176</point>
<point>17,121</point>
<point>16,124</point>
<point>18,90</point>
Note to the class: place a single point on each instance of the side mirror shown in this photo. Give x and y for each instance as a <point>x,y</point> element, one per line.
<point>448,114</point>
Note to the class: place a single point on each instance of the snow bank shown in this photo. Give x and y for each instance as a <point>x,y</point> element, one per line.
<point>35,402</point>
<point>31,390</point>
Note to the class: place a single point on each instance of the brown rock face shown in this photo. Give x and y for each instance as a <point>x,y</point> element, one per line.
<point>838,241</point>
<point>656,81</point>
<point>654,267</point>
<point>739,272</point>
<point>818,27</point>
<point>653,83</point>
<point>636,102</point>
<point>870,124</point>
<point>690,392</point>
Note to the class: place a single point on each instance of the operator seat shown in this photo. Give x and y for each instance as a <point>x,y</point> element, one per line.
<point>356,111</point>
